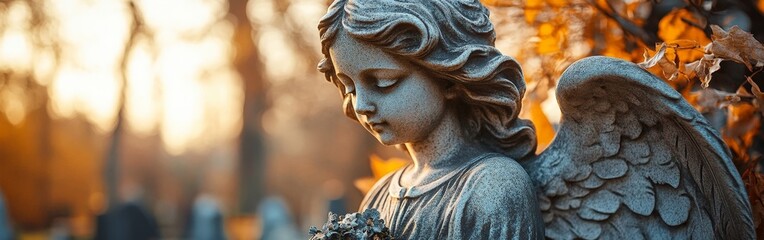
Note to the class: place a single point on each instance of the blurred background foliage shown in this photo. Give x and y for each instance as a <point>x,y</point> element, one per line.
<point>187,109</point>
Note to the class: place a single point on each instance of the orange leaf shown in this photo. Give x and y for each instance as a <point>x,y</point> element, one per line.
<point>530,15</point>
<point>551,38</point>
<point>557,3</point>
<point>683,44</point>
<point>671,26</point>
<point>380,168</point>
<point>534,3</point>
<point>742,125</point>
<point>674,28</point>
<point>666,58</point>
<point>532,10</point>
<point>652,61</point>
<point>546,29</point>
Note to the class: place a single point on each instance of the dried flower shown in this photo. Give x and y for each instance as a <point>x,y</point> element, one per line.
<point>355,226</point>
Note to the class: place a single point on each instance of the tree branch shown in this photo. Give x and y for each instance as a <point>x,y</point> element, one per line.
<point>628,26</point>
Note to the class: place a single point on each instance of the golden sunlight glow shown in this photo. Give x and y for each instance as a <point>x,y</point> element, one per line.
<point>44,66</point>
<point>200,93</point>
<point>90,93</point>
<point>275,49</point>
<point>87,80</point>
<point>181,82</point>
<point>15,51</point>
<point>14,105</point>
<point>182,94</point>
<point>95,33</point>
<point>16,54</point>
<point>142,112</point>
<point>166,17</point>
<point>300,10</point>
<point>261,12</point>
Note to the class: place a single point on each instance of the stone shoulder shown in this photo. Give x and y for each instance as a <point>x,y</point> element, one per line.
<point>500,185</point>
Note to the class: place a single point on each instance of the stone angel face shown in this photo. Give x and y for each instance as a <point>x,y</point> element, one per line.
<point>393,100</point>
<point>448,42</point>
<point>631,159</point>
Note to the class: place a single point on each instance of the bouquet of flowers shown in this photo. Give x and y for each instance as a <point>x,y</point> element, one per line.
<point>353,226</point>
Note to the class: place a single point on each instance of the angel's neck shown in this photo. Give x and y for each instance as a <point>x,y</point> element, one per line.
<point>446,147</point>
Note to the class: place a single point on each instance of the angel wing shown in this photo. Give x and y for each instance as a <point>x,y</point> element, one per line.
<point>633,160</point>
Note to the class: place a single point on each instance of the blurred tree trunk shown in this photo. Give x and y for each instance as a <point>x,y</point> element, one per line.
<point>111,171</point>
<point>251,142</point>
<point>38,20</point>
<point>112,163</point>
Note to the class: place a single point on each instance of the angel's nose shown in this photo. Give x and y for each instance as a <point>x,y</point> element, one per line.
<point>363,105</point>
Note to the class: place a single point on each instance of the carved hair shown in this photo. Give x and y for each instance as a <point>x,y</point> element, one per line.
<point>452,40</point>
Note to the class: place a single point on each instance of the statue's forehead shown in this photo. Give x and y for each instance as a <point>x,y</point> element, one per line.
<point>351,56</point>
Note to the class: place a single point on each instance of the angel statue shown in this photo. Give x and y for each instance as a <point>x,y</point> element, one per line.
<point>631,160</point>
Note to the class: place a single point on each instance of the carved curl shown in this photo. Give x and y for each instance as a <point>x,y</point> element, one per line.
<point>452,40</point>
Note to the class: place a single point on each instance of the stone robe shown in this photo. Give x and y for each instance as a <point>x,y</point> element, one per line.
<point>489,197</point>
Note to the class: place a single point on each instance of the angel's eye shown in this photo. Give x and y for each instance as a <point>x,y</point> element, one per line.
<point>386,83</point>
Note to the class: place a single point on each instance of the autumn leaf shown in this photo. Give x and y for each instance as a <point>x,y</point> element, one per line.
<point>380,167</point>
<point>674,24</point>
<point>652,61</point>
<point>557,3</point>
<point>683,44</point>
<point>669,66</point>
<point>741,128</point>
<point>757,93</point>
<point>675,28</point>
<point>534,3</point>
<point>551,37</point>
<point>703,68</point>
<point>532,10</point>
<point>530,15</point>
<point>736,45</point>
<point>710,99</point>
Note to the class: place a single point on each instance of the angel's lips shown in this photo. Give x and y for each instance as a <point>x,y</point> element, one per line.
<point>377,126</point>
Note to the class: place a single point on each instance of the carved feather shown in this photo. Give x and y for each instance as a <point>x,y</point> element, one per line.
<point>633,160</point>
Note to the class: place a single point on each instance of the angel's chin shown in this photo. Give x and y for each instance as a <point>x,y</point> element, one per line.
<point>386,139</point>
<point>386,143</point>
